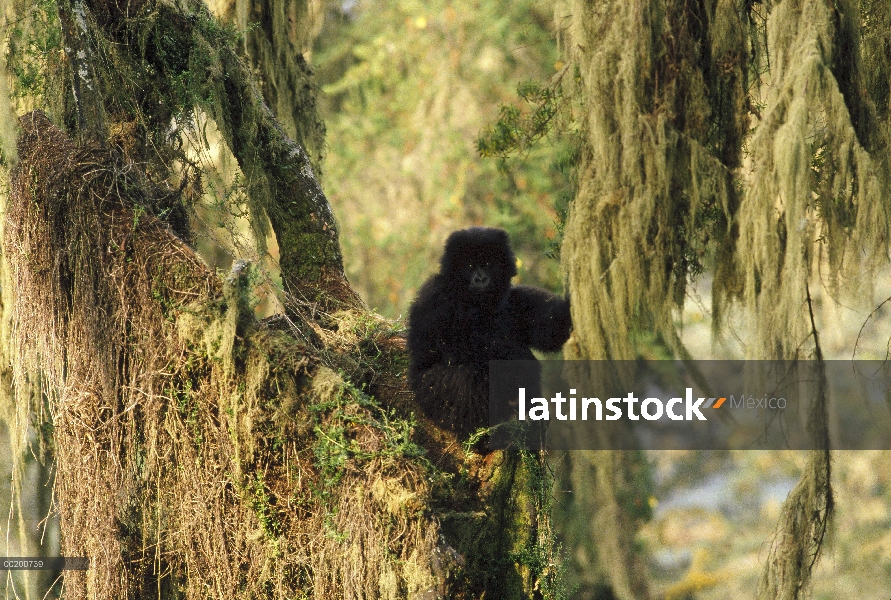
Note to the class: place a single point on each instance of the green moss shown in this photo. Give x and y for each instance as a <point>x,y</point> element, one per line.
<point>34,42</point>
<point>262,502</point>
<point>507,541</point>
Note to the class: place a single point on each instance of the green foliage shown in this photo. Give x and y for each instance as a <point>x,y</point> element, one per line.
<point>335,447</point>
<point>261,501</point>
<point>516,129</point>
<point>410,86</point>
<point>34,40</point>
<point>545,114</point>
<point>336,424</point>
<point>544,555</point>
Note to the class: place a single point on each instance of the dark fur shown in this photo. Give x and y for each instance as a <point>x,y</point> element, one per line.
<point>455,329</point>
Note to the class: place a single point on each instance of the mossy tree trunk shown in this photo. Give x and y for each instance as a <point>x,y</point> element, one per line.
<point>182,50</point>
<point>744,140</point>
<point>89,105</point>
<point>201,453</point>
<point>276,35</point>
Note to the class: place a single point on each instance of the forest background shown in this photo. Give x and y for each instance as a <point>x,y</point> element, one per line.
<point>441,115</point>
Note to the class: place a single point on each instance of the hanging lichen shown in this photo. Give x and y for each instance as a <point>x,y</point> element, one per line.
<point>815,208</point>
<point>660,91</point>
<point>672,184</point>
<point>220,454</point>
<point>659,113</point>
<point>816,202</point>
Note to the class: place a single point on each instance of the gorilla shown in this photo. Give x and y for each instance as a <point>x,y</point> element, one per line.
<point>469,314</point>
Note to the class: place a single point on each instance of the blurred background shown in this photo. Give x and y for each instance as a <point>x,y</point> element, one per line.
<point>408,89</point>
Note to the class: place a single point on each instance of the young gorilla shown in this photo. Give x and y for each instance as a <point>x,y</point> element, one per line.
<point>469,314</point>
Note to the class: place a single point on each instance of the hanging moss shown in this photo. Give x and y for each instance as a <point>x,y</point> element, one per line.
<point>816,204</point>
<point>152,64</point>
<point>817,198</point>
<point>223,453</point>
<point>875,46</point>
<point>653,192</point>
<point>670,184</point>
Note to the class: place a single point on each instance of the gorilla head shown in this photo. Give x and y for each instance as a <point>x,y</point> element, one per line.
<point>478,263</point>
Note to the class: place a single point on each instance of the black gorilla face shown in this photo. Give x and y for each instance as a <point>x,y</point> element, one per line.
<point>479,261</point>
<point>480,278</point>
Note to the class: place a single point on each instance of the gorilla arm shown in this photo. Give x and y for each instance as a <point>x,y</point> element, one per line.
<point>542,319</point>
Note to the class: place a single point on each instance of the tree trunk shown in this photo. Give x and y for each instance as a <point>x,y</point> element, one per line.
<point>199,452</point>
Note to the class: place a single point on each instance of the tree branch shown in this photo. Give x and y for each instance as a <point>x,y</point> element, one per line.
<point>186,44</point>
<point>88,102</point>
